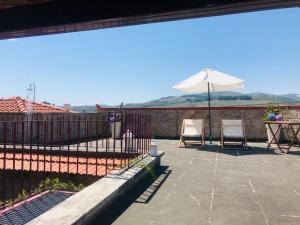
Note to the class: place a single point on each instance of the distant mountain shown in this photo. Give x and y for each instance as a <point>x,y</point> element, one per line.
<point>83,108</point>
<point>218,99</point>
<point>294,97</point>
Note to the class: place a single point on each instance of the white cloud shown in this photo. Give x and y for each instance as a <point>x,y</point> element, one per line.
<point>13,39</point>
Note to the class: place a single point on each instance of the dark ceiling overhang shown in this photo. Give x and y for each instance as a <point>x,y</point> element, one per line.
<point>34,17</point>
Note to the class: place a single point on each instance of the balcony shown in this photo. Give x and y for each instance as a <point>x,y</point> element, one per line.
<point>215,186</point>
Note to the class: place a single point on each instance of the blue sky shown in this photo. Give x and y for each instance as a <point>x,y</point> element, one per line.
<point>141,63</point>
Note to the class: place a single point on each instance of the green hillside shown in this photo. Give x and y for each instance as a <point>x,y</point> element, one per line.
<point>218,99</point>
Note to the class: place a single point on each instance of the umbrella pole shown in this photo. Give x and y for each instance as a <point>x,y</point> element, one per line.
<point>209,113</point>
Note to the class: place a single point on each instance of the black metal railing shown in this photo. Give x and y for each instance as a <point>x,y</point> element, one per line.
<point>34,149</point>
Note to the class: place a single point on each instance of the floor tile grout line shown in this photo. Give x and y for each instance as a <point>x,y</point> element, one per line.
<point>252,186</point>
<point>289,186</point>
<point>178,180</point>
<point>213,187</point>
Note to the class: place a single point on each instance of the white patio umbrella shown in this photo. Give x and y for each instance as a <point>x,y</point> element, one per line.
<point>207,80</point>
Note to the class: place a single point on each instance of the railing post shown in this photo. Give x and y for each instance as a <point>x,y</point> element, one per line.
<point>78,144</point>
<point>97,135</point>
<point>4,161</point>
<point>59,142</point>
<point>87,145</point>
<point>51,143</point>
<point>68,141</point>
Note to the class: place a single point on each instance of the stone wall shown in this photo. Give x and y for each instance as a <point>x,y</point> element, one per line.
<point>167,122</point>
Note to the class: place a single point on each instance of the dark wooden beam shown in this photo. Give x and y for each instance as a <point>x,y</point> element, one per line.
<point>60,16</point>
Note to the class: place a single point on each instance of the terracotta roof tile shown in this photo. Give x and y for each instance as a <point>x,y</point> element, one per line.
<point>18,104</point>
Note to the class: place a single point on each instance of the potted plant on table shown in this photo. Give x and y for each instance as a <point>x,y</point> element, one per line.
<point>115,120</point>
<point>273,113</point>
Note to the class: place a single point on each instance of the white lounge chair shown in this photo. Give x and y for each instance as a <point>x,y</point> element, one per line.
<point>233,131</point>
<point>192,130</point>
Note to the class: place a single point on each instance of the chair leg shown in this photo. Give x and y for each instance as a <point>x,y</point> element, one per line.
<point>181,141</point>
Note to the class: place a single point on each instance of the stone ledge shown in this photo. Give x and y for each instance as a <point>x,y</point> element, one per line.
<point>82,207</point>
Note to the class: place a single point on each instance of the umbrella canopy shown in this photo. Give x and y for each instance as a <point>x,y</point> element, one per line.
<point>216,80</point>
<point>207,80</point>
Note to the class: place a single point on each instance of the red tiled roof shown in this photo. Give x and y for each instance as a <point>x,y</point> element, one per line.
<point>18,104</point>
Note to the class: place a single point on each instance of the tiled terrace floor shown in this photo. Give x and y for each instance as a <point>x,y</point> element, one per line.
<point>219,187</point>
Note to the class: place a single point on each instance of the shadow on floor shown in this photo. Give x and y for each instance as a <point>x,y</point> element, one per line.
<point>142,194</point>
<point>239,151</point>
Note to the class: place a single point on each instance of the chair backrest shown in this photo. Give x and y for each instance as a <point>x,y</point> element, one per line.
<point>233,128</point>
<point>192,126</point>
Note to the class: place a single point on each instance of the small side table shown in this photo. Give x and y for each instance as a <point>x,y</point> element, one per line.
<point>291,125</point>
